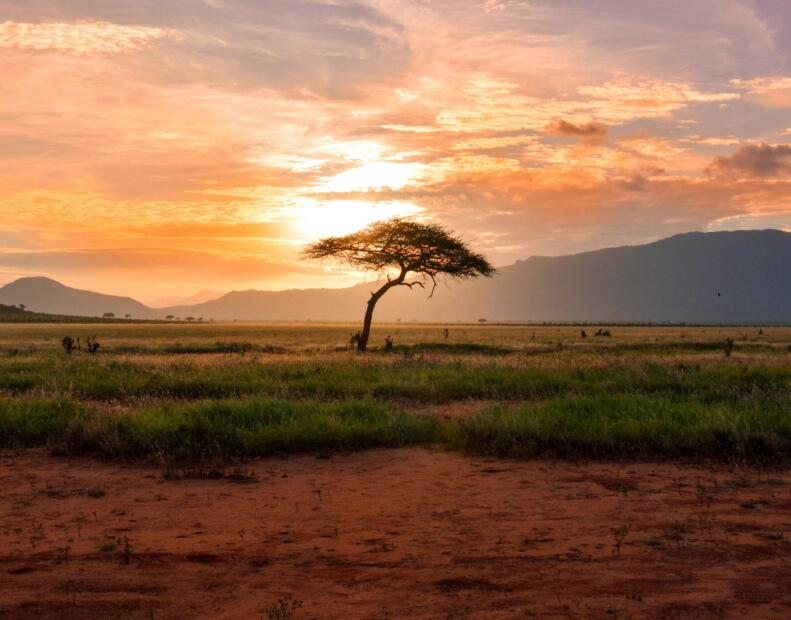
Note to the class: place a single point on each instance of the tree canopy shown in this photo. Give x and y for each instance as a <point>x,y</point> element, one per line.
<point>425,250</point>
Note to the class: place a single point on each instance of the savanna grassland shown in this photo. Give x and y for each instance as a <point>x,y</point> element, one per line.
<point>486,471</point>
<point>241,390</point>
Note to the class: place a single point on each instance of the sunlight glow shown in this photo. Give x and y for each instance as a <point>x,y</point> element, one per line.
<point>373,176</point>
<point>216,141</point>
<point>372,169</point>
<point>314,220</point>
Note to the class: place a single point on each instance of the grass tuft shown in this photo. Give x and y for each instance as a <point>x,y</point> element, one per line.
<point>210,430</point>
<point>628,427</point>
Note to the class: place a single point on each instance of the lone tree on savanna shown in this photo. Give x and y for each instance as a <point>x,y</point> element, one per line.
<point>425,251</point>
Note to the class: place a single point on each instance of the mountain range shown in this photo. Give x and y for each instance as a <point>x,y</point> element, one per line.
<point>51,297</point>
<point>719,277</point>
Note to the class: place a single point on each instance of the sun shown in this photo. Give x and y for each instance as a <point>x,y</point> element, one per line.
<point>367,168</point>
<point>373,176</point>
<point>315,220</point>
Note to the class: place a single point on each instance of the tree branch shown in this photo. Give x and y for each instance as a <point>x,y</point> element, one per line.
<point>434,285</point>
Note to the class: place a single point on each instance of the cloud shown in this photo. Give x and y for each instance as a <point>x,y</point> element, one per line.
<point>652,96</point>
<point>726,38</point>
<point>218,230</point>
<point>82,37</point>
<point>754,161</point>
<point>587,132</point>
<point>239,268</point>
<point>711,141</point>
<point>494,6</point>
<point>488,103</point>
<point>773,92</point>
<point>329,49</point>
<point>16,147</point>
<point>236,131</point>
<point>19,239</point>
<point>651,147</point>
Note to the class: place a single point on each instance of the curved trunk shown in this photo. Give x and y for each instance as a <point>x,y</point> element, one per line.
<point>362,343</point>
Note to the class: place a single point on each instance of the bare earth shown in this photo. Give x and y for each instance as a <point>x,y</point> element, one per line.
<point>393,534</point>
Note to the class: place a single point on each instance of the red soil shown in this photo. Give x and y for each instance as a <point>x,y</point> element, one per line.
<point>393,534</point>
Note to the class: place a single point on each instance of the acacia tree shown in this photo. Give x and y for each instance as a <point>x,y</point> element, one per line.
<point>423,252</point>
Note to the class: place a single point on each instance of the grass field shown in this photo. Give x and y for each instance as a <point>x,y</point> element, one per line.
<point>229,391</point>
<point>499,472</point>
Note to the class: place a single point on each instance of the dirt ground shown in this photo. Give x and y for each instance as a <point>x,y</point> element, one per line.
<point>416,534</point>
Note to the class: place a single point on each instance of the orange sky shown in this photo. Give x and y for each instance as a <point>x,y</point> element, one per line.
<point>154,151</point>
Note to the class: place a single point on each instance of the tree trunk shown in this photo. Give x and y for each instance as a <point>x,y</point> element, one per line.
<point>362,343</point>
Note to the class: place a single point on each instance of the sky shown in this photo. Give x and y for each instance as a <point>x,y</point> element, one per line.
<point>156,148</point>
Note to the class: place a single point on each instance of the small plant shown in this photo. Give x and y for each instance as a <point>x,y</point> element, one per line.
<point>619,534</point>
<point>92,344</point>
<point>705,493</point>
<point>354,341</point>
<point>284,609</point>
<point>701,491</point>
<point>96,492</point>
<point>68,345</point>
<point>62,555</point>
<point>389,344</point>
<point>72,587</point>
<point>108,547</point>
<point>729,345</point>
<point>675,531</point>
<point>38,534</point>
<point>126,550</point>
<point>706,523</point>
<point>583,334</point>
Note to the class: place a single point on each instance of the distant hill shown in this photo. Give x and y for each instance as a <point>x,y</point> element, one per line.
<point>48,296</point>
<point>198,298</point>
<point>722,277</point>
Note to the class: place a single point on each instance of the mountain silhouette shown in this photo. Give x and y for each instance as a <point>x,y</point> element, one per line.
<point>721,277</point>
<point>52,297</point>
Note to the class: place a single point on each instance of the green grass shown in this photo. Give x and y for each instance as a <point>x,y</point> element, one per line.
<point>629,427</point>
<point>215,391</point>
<point>383,377</point>
<point>210,430</point>
<point>609,427</point>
